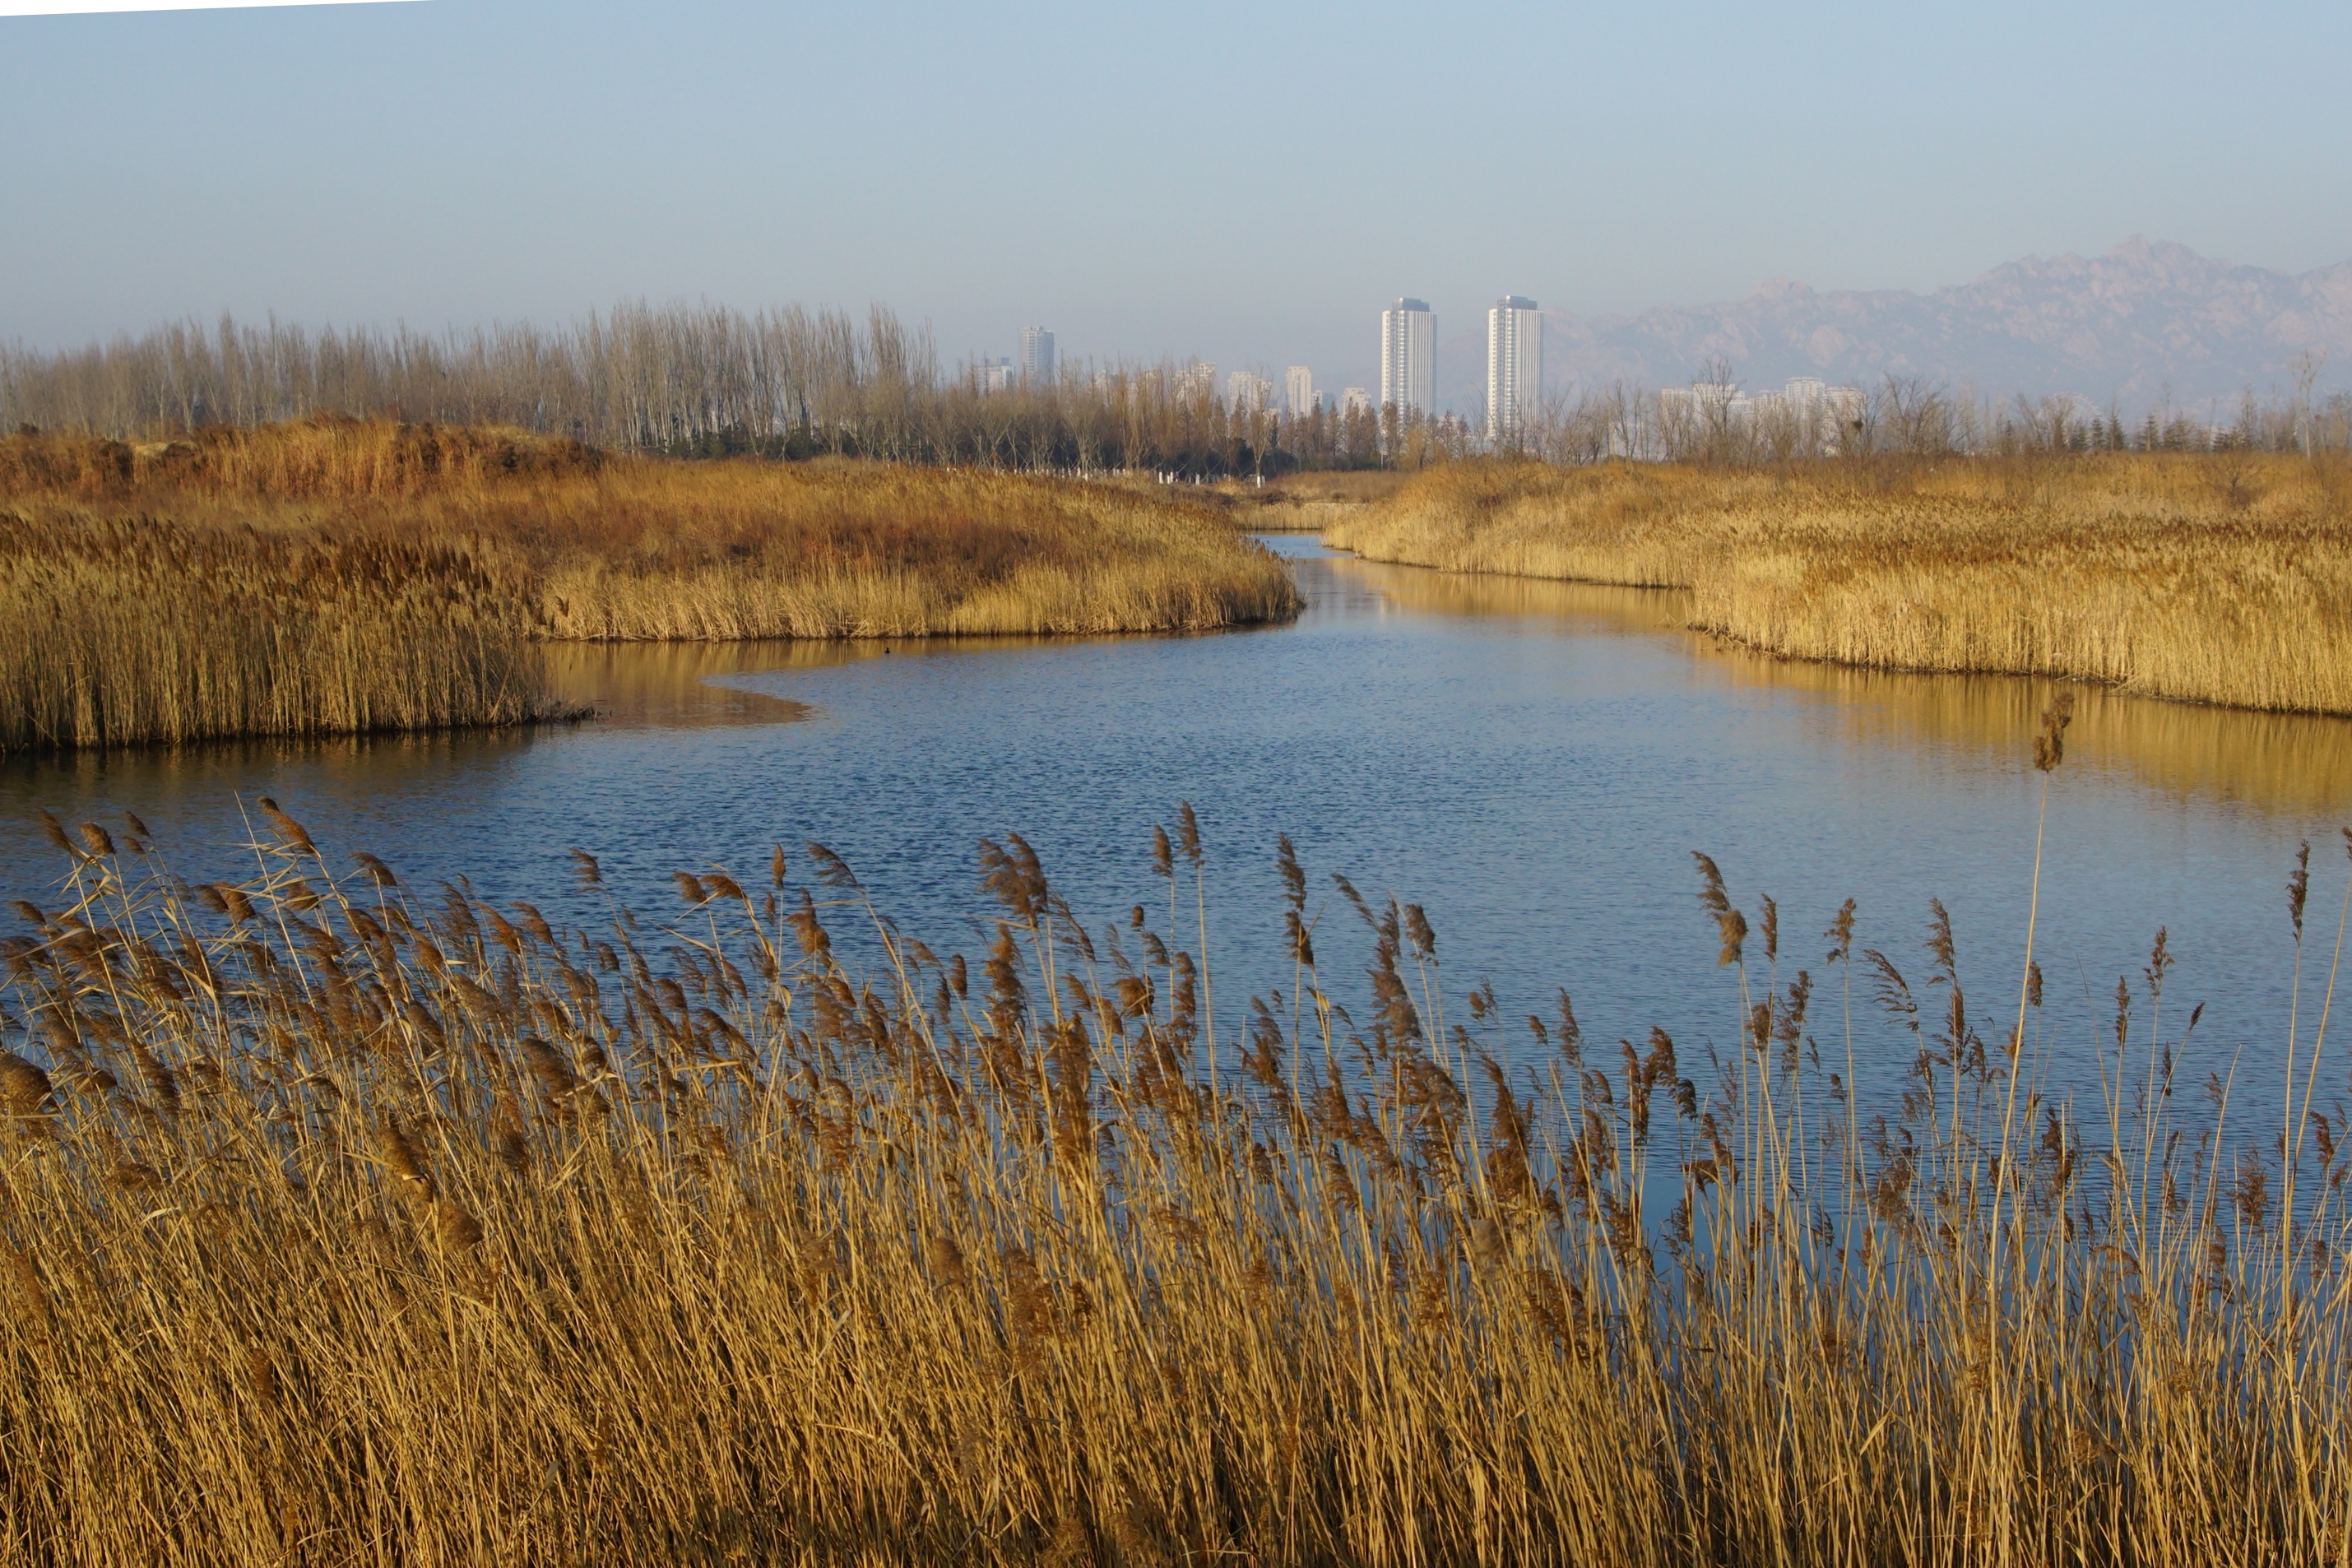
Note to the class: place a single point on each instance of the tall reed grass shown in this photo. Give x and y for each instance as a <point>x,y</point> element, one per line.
<point>2223,578</point>
<point>123,630</point>
<point>350,1219</point>
<point>343,576</point>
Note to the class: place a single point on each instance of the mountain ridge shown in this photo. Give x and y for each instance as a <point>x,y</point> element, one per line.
<point>2146,323</point>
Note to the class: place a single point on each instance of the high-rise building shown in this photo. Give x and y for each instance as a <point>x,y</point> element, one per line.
<point>1299,390</point>
<point>1358,400</point>
<point>1248,393</point>
<point>1514,366</point>
<point>1408,356</point>
<point>1198,379</point>
<point>993,375</point>
<point>1036,355</point>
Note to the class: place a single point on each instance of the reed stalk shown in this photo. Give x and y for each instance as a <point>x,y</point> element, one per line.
<point>346,1218</point>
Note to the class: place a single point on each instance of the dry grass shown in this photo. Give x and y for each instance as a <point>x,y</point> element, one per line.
<point>343,1221</point>
<point>341,575</point>
<point>133,630</point>
<point>2225,578</point>
<point>1308,502</point>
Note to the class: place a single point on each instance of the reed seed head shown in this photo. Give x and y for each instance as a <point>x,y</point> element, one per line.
<point>24,1088</point>
<point>292,832</point>
<point>400,1154</point>
<point>55,832</point>
<point>2049,746</point>
<point>459,1231</point>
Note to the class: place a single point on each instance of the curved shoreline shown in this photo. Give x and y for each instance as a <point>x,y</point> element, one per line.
<point>2124,572</point>
<point>354,577</point>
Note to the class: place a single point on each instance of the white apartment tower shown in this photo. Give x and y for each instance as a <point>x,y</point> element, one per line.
<point>1514,366</point>
<point>1037,357</point>
<point>1299,390</point>
<point>1408,356</point>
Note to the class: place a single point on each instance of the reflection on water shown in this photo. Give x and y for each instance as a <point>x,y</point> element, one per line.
<point>1534,762</point>
<point>670,684</point>
<point>2291,763</point>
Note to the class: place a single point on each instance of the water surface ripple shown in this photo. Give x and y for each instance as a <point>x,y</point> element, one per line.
<point>1532,762</point>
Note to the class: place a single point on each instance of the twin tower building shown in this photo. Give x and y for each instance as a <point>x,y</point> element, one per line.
<point>1513,361</point>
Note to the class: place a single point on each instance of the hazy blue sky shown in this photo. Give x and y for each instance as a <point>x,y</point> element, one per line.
<point>1245,181</point>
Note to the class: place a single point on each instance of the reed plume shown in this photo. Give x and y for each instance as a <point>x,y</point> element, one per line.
<point>492,1240</point>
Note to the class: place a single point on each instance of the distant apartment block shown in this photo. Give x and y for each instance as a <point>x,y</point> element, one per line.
<point>1358,400</point>
<point>1246,393</point>
<point>1514,366</point>
<point>993,375</point>
<point>1036,355</point>
<point>1700,401</point>
<point>1299,390</point>
<point>1198,379</point>
<point>1805,406</point>
<point>1408,356</point>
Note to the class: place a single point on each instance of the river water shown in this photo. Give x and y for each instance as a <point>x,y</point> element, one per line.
<point>1533,762</point>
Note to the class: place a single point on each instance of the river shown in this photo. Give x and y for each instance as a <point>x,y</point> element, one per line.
<point>1533,762</point>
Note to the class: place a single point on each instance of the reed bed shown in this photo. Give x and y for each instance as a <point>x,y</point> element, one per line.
<point>348,1219</point>
<point>121,630</point>
<point>2214,578</point>
<point>343,576</point>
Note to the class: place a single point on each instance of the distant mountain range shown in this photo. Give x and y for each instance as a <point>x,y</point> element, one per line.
<point>2147,321</point>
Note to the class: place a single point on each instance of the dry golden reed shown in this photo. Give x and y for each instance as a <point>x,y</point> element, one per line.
<point>341,577</point>
<point>2216,578</point>
<point>458,1237</point>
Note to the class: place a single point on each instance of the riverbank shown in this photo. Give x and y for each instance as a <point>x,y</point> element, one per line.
<point>342,576</point>
<point>2223,578</point>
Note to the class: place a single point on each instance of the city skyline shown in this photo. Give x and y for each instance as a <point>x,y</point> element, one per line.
<point>2147,325</point>
<point>538,176</point>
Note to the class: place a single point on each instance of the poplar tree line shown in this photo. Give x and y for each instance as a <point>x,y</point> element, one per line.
<point>689,382</point>
<point>711,381</point>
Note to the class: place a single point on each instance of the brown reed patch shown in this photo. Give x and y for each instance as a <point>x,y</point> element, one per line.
<point>2214,578</point>
<point>812,1266</point>
<point>338,576</point>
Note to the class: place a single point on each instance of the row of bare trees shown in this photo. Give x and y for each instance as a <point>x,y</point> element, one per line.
<point>692,382</point>
<point>710,381</point>
<point>1712,421</point>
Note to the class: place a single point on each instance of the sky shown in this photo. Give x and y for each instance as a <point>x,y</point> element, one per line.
<point>1245,182</point>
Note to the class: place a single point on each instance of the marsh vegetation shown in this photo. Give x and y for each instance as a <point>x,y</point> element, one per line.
<point>2215,578</point>
<point>341,575</point>
<point>340,1213</point>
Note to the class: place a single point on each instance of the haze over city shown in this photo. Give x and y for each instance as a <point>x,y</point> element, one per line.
<point>1250,187</point>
